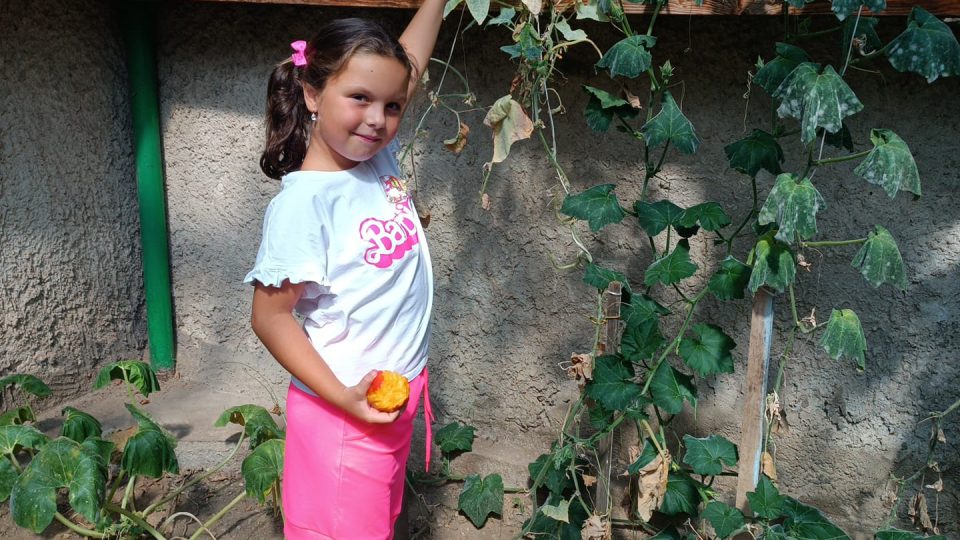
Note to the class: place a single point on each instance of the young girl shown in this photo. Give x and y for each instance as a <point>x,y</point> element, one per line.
<point>343,247</point>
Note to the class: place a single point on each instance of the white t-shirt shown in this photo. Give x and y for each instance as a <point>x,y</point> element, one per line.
<point>354,238</point>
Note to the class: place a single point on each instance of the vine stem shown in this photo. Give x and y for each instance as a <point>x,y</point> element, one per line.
<point>128,492</point>
<point>832,243</point>
<point>213,520</point>
<point>841,159</point>
<point>76,528</point>
<point>653,439</point>
<point>136,518</point>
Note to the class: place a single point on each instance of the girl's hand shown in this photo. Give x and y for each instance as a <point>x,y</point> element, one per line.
<point>355,403</point>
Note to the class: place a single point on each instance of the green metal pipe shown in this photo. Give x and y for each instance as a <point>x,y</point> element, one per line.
<point>137,21</point>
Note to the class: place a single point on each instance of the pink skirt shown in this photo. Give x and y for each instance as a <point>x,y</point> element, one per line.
<point>343,479</point>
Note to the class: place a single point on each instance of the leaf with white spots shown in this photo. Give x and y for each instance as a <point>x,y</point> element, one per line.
<point>879,260</point>
<point>890,164</point>
<point>773,265</point>
<point>776,70</point>
<point>843,8</point>
<point>818,98</point>
<point>844,336</point>
<point>927,47</point>
<point>793,206</point>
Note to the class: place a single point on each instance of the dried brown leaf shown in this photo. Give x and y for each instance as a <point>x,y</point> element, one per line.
<point>941,436</point>
<point>652,485</point>
<point>581,368</point>
<point>768,466</point>
<point>811,319</point>
<point>936,486</point>
<point>595,528</point>
<point>633,100</point>
<point>802,263</point>
<point>589,481</point>
<point>485,201</point>
<point>921,514</point>
<point>457,144</point>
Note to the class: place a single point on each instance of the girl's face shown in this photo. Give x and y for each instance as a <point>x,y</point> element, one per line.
<point>358,112</point>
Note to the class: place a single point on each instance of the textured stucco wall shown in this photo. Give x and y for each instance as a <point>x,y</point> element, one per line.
<point>504,317</point>
<point>71,297</point>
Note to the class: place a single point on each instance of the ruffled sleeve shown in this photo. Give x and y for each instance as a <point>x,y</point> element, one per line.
<point>294,244</point>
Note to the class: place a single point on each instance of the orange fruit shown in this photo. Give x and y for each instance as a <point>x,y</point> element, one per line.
<point>388,392</point>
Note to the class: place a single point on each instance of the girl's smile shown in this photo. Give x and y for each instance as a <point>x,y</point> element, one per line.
<point>358,112</point>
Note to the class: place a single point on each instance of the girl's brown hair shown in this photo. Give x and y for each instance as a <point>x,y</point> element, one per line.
<point>288,120</point>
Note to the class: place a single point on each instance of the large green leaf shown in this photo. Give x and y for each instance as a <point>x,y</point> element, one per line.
<point>673,268</point>
<point>709,215</point>
<point>879,260</point>
<point>708,352</point>
<point>598,205</point>
<point>682,495</point>
<point>13,437</point>
<point>671,125</point>
<point>773,265</point>
<point>927,47</point>
<point>890,164</point>
<point>655,217</point>
<point>843,8</point>
<point>641,308</point>
<point>134,372</point>
<point>612,385</point>
<point>844,336</point>
<point>478,9</point>
<point>766,501</point>
<point>730,279</point>
<point>481,497</point>
<point>641,341</point>
<point>601,277</point>
<point>603,107</point>
<point>772,74</point>
<point>455,437</point>
<point>897,534</point>
<point>8,477</point>
<point>150,451</point>
<point>553,474</point>
<point>62,463</point>
<point>756,151</point>
<point>20,415</point>
<point>816,98</point>
<point>725,520</point>
<point>262,468</point>
<point>78,425</point>
<point>628,57</point>
<point>793,206</point>
<point>807,523</point>
<point>670,388</point>
<point>258,424</point>
<point>707,456</point>
<point>27,383</point>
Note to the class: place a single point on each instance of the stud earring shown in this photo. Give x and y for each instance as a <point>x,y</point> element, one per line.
<point>313,117</point>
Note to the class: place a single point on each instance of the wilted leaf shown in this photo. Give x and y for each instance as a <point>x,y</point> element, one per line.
<point>595,528</point>
<point>670,388</point>
<point>581,368</point>
<point>756,151</point>
<point>844,336</point>
<point>628,57</point>
<point>816,98</point>
<point>509,124</point>
<point>612,384</point>
<point>652,481</point>
<point>27,383</point>
<point>927,47</point>
<point>730,280</point>
<point>865,39</point>
<point>879,260</point>
<point>598,205</point>
<point>481,497</point>
<point>655,217</point>
<point>767,466</point>
<point>150,452</point>
<point>137,373</point>
<point>793,207</point>
<point>671,125</point>
<point>672,268</point>
<point>772,74</point>
<point>708,352</point>
<point>568,33</point>
<point>455,437</point>
<point>843,8</point>
<point>262,469</point>
<point>890,164</point>
<point>707,456</point>
<point>725,520</point>
<point>258,425</point>
<point>458,143</point>
<point>773,265</point>
<point>79,426</point>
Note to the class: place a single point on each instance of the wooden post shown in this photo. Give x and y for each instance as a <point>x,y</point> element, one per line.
<point>608,341</point>
<point>755,394</point>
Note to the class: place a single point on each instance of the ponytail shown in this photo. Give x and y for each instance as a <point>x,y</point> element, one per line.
<point>287,123</point>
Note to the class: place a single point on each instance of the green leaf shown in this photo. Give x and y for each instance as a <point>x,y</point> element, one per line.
<point>756,151</point>
<point>655,217</point>
<point>843,8</point>
<point>547,527</point>
<point>134,372</point>
<point>681,496</point>
<point>504,18</point>
<point>671,125</point>
<point>766,501</point>
<point>603,107</point>
<point>628,57</point>
<point>554,477</point>
<point>844,336</point>
<point>708,352</point>
<point>793,207</point>
<point>560,512</point>
<point>479,9</point>
<point>647,454</point>
<point>568,33</point>
<point>730,280</point>
<point>707,456</point>
<point>773,265</point>
<point>455,437</point>
<point>26,383</point>
<point>640,341</point>
<point>807,523</point>
<point>150,451</point>
<point>725,520</point>
<point>450,6</point>
<point>601,277</point>
<point>673,268</point>
<point>8,477</point>
<point>927,47</point>
<point>481,497</point>
<point>62,463</point>
<point>19,415</point>
<point>890,164</point>
<point>670,388</point>
<point>641,308</point>
<point>897,534</point>
<point>590,9</point>
<point>509,124</point>
<point>598,205</point>
<point>258,425</point>
<point>772,74</point>
<point>262,469</point>
<point>879,260</point>
<point>79,426</point>
<point>612,385</point>
<point>816,98</point>
<point>13,437</point>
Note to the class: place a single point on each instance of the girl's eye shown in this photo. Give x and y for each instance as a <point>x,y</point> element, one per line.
<point>359,97</point>
<point>394,106</point>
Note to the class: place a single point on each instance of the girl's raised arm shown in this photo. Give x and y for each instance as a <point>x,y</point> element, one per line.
<point>420,37</point>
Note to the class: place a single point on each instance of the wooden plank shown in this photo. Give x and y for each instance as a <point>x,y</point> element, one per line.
<point>675,7</point>
<point>755,394</point>
<point>608,340</point>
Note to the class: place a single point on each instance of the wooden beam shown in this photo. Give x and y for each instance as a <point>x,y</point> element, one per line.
<point>940,8</point>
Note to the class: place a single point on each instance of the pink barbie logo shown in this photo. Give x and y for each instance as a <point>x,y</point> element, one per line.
<point>390,239</point>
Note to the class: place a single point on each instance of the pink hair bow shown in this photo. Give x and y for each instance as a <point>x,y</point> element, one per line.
<point>299,57</point>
